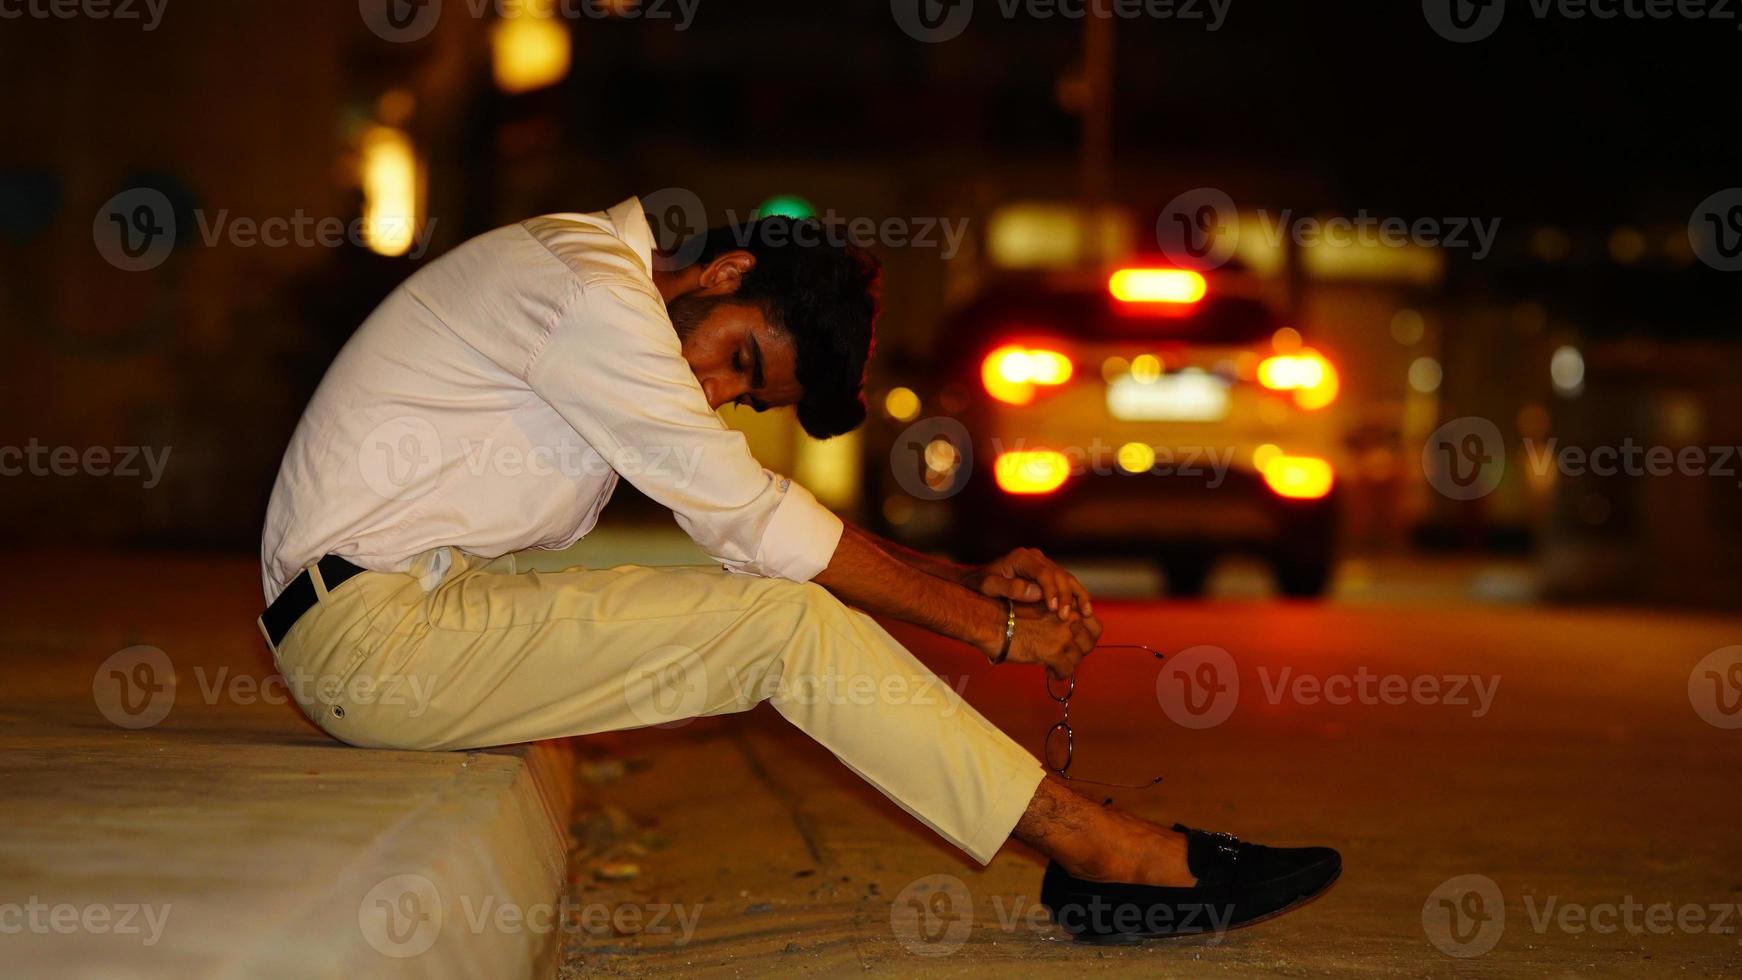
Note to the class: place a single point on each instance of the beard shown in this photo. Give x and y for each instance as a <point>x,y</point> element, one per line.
<point>688,312</point>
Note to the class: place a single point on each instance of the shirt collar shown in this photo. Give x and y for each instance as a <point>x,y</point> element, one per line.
<point>631,224</point>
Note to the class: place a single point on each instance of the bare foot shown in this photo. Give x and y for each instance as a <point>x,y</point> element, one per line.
<point>1100,843</point>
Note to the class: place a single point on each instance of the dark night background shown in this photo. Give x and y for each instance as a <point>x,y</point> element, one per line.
<point>1575,126</point>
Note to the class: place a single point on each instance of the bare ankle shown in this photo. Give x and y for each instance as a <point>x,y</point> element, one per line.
<point>1095,842</point>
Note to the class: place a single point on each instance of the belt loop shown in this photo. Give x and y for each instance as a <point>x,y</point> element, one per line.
<point>261,622</point>
<point>314,575</point>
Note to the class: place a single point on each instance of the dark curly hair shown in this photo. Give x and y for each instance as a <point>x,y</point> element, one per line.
<point>824,294</point>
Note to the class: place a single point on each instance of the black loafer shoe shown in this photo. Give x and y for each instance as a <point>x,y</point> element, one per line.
<point>1238,884</point>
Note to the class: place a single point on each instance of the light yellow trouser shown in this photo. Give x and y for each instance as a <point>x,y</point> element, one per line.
<point>493,657</point>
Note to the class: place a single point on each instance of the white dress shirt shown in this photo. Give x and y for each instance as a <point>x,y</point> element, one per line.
<point>491,402</point>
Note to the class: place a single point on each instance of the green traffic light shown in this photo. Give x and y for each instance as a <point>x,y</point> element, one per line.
<point>788,206</point>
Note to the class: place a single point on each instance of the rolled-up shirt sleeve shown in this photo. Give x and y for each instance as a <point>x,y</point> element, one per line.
<point>613,368</point>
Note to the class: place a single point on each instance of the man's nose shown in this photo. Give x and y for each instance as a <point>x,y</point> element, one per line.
<point>718,391</point>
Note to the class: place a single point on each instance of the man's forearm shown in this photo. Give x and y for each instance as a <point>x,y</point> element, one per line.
<point>863,574</point>
<point>930,564</point>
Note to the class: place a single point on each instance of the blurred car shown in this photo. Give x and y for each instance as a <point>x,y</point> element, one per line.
<point>1153,411</point>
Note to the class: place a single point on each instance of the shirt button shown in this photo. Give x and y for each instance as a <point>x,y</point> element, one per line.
<point>338,711</point>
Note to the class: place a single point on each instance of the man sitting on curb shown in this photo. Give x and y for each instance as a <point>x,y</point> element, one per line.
<point>388,550</point>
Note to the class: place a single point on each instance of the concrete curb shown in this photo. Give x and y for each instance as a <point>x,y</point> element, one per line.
<point>226,836</point>
<point>463,886</point>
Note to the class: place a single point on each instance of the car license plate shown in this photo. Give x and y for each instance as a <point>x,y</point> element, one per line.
<point>1185,397</point>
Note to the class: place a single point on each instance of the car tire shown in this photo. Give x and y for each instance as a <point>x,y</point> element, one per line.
<point>1187,574</point>
<point>1302,578</point>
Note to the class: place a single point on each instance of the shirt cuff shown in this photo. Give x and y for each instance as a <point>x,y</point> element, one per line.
<point>800,538</point>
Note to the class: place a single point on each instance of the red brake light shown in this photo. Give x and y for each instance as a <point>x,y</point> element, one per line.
<point>1031,472</point>
<point>1298,477</point>
<point>1172,287</point>
<point>1012,372</point>
<point>1311,377</point>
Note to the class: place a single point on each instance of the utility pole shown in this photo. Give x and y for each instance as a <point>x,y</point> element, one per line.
<point>1097,148</point>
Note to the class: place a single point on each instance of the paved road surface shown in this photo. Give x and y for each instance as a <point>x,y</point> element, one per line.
<point>1546,784</point>
<point>1574,760</point>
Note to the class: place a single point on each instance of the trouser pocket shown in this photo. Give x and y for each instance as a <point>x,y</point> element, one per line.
<point>332,658</point>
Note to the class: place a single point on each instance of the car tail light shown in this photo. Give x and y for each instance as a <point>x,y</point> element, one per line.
<point>1168,287</point>
<point>1298,477</point>
<point>1031,472</point>
<point>1307,374</point>
<point>1011,373</point>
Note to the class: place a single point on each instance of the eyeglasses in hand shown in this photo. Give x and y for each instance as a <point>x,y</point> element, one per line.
<point>1061,742</point>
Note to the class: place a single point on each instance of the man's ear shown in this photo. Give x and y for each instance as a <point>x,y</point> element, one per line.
<point>726,273</point>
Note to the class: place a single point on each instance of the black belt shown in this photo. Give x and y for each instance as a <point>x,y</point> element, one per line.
<point>299,596</point>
